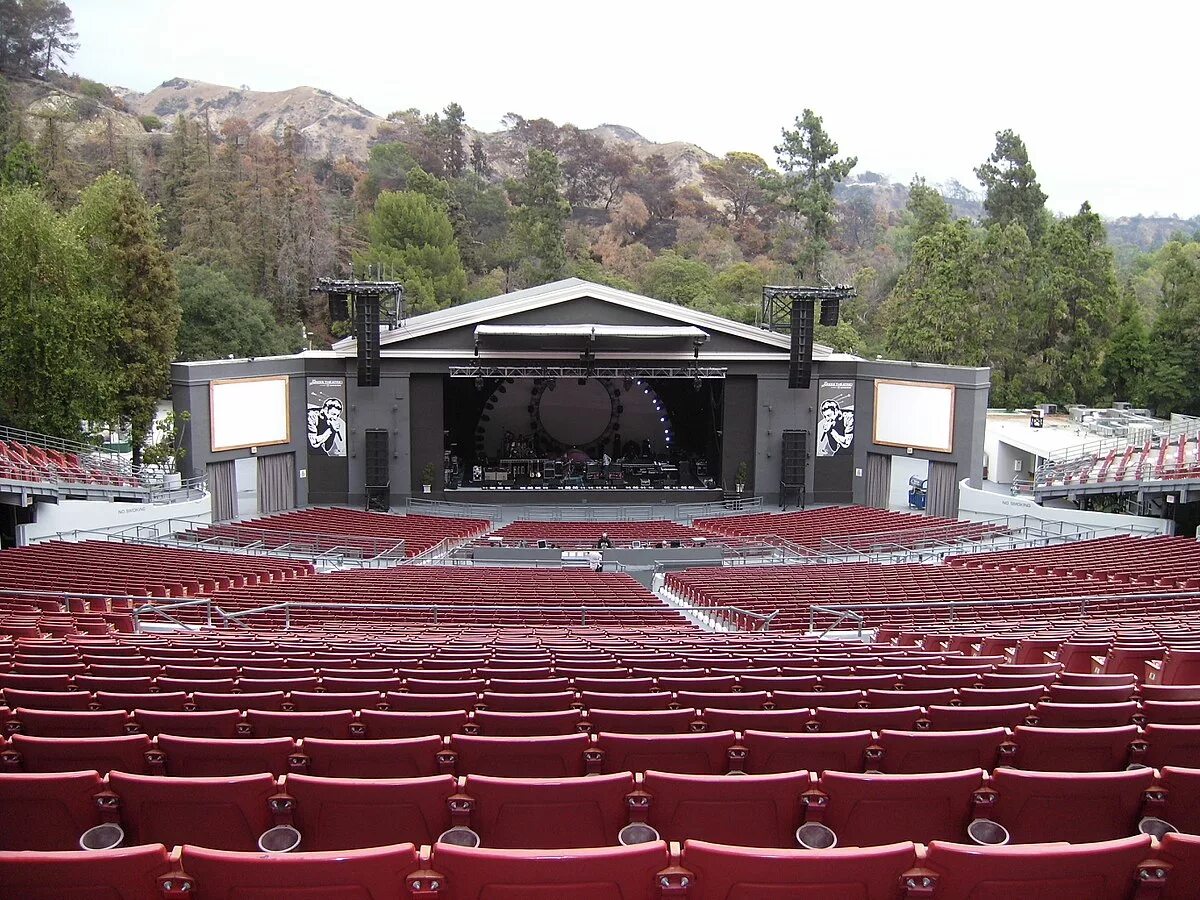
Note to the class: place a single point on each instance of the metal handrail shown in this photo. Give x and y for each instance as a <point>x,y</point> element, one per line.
<point>1168,433</point>
<point>615,512</point>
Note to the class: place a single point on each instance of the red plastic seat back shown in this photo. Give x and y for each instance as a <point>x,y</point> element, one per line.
<point>128,873</point>
<point>351,814</point>
<point>749,811</point>
<point>519,813</point>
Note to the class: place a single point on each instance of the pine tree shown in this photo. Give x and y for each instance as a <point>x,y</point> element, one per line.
<point>129,264</point>
<point>1013,192</point>
<point>456,154</point>
<point>1128,357</point>
<point>539,220</point>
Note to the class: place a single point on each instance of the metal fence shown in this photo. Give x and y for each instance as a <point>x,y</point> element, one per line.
<point>597,512</point>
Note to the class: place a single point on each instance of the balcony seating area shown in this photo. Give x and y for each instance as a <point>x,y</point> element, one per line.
<point>584,535</point>
<point>23,461</point>
<point>109,567</point>
<point>367,534</point>
<point>1107,566</point>
<point>837,529</point>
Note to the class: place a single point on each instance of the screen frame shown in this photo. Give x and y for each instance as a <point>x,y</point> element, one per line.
<point>933,385</point>
<point>287,418</point>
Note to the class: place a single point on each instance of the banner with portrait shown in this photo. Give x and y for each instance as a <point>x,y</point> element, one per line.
<point>326,426</point>
<point>833,480</point>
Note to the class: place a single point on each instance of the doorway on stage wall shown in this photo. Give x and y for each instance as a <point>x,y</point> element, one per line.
<point>909,484</point>
<point>603,433</point>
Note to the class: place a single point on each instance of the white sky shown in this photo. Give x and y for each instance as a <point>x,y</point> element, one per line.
<point>1102,93</point>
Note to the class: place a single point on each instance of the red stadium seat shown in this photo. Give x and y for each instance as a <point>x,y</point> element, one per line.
<point>47,811</point>
<point>902,719</point>
<point>805,700</point>
<point>305,701</point>
<point>615,685</point>
<point>1084,715</point>
<point>56,723</point>
<point>1105,870</point>
<point>216,724</point>
<point>736,873</point>
<point>123,874</point>
<point>609,873</point>
<point>1000,696</point>
<point>551,702</point>
<point>704,700</point>
<point>1183,798</point>
<point>209,757</point>
<point>599,700</point>
<point>918,752</point>
<point>222,813</point>
<point>1076,749</point>
<point>872,810</point>
<point>1182,853</point>
<point>750,811</point>
<point>53,700</point>
<point>518,813</point>
<point>689,754</point>
<point>968,718</point>
<point>351,814</point>
<point>431,702</point>
<point>374,874</point>
<point>176,701</point>
<point>1172,713</point>
<point>1041,807</point>
<point>767,752</point>
<point>1173,745</point>
<point>673,721</point>
<point>390,725</point>
<point>515,757</point>
<point>329,725</point>
<point>402,758</point>
<point>128,753</point>
<point>795,720</point>
<point>271,701</point>
<point>1069,693</point>
<point>528,724</point>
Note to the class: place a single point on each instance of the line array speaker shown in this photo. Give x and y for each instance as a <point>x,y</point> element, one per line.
<point>375,458</point>
<point>829,311</point>
<point>800,363</point>
<point>793,466</point>
<point>366,334</point>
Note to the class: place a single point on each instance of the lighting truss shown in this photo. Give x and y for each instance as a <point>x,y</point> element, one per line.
<point>593,371</point>
<point>777,301</point>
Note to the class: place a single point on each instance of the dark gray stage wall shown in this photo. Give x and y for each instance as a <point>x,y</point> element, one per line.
<point>737,441</point>
<point>425,394</point>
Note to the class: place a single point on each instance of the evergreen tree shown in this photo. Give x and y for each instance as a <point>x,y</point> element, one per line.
<point>927,207</point>
<point>54,326</point>
<point>1128,358</point>
<point>1013,192</point>
<point>8,116</point>
<point>456,154</point>
<point>479,159</point>
<point>128,262</point>
<point>222,319</point>
<point>21,168</point>
<point>1174,385</point>
<point>539,220</point>
<point>412,239</point>
<point>808,159</point>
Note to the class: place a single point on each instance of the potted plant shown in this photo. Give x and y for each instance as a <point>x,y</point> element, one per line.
<point>427,478</point>
<point>742,472</point>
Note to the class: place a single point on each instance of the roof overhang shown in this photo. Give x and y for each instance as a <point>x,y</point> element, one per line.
<point>583,336</point>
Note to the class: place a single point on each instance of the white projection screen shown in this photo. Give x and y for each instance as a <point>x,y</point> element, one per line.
<point>914,414</point>
<point>248,412</point>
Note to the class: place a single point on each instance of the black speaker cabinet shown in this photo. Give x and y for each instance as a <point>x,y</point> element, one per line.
<point>800,363</point>
<point>366,334</point>
<point>375,457</point>
<point>793,467</point>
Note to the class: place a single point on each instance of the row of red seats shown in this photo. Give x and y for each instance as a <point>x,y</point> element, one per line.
<point>1123,869</point>
<point>406,746</point>
<point>23,461</point>
<point>862,810</point>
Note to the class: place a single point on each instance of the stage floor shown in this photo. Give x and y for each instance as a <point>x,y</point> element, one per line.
<point>582,496</point>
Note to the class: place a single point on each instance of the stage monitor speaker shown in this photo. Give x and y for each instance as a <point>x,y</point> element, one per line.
<point>375,458</point>
<point>366,335</point>
<point>829,311</point>
<point>793,468</point>
<point>542,545</point>
<point>800,363</point>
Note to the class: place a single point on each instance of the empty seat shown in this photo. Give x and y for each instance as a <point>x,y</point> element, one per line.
<point>130,873</point>
<point>128,753</point>
<point>667,721</point>
<point>68,723</point>
<point>1183,798</point>
<point>692,754</point>
<point>549,813</point>
<point>378,873</point>
<point>969,718</point>
<point>551,702</point>
<point>528,724</point>
<point>222,813</point>
<point>515,757</point>
<point>758,719</point>
<point>307,701</point>
<point>330,725</point>
<point>400,758</point>
<point>811,700</point>
<point>216,724</point>
<point>751,810</point>
<point>872,810</point>
<point>1173,745</point>
<point>879,699</point>
<point>1084,715</point>
<point>58,700</point>
<point>615,685</point>
<point>209,757</point>
<point>380,725</point>
<point>916,752</point>
<point>600,700</point>
<point>902,719</point>
<point>1172,713</point>
<point>729,700</point>
<point>1070,693</point>
<point>350,814</point>
<point>1076,749</point>
<point>176,701</point>
<point>272,701</point>
<point>464,702</point>
<point>1091,871</point>
<point>608,873</point>
<point>1172,693</point>
<point>1182,853</point>
<point>766,752</point>
<point>47,811</point>
<point>1041,807</point>
<point>734,873</point>
<point>1000,696</point>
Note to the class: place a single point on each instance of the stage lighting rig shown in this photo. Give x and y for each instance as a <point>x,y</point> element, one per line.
<point>370,304</point>
<point>795,306</point>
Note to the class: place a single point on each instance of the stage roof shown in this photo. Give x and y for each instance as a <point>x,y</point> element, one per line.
<point>481,312</point>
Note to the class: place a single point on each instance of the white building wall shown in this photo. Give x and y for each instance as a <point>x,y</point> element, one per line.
<point>89,515</point>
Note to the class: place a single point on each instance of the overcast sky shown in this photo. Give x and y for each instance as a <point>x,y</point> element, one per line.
<point>1103,94</point>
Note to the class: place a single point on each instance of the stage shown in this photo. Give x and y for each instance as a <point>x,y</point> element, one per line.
<point>582,496</point>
